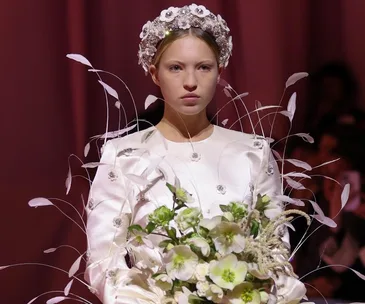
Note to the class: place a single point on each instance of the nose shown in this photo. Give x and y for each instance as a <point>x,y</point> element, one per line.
<point>190,81</point>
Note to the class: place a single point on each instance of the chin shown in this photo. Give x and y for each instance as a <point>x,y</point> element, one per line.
<point>191,110</point>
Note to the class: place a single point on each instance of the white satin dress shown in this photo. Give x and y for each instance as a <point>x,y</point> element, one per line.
<point>227,166</point>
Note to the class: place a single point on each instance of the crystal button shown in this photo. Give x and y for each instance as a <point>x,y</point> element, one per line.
<point>195,156</point>
<point>270,170</point>
<point>112,176</point>
<point>91,204</point>
<point>257,144</point>
<point>117,222</point>
<point>221,189</point>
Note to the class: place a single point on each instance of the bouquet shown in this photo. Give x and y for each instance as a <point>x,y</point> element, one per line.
<point>236,257</point>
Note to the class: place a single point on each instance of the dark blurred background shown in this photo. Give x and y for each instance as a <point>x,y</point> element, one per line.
<point>50,106</point>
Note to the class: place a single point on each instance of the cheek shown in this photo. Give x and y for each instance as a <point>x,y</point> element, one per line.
<point>210,85</point>
<point>169,87</point>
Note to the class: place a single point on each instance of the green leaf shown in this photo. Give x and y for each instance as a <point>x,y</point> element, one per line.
<point>260,204</point>
<point>171,188</point>
<point>195,299</point>
<point>255,228</point>
<point>225,208</point>
<point>164,243</point>
<point>150,227</point>
<point>264,221</point>
<point>171,232</point>
<point>186,237</point>
<point>204,232</point>
<point>135,227</point>
<point>156,274</point>
<point>195,249</point>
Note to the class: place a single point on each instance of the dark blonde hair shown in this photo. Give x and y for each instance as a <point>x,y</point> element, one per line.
<point>175,35</point>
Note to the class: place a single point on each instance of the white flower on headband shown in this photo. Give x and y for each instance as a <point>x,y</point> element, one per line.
<point>222,22</point>
<point>230,44</point>
<point>160,31</point>
<point>150,51</point>
<point>145,30</point>
<point>169,14</point>
<point>184,23</point>
<point>199,10</point>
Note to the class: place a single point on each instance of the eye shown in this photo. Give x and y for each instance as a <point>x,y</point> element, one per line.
<point>205,67</point>
<point>175,68</point>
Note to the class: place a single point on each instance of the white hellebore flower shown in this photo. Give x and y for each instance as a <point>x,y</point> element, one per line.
<point>201,271</point>
<point>228,237</point>
<point>181,262</point>
<point>214,293</point>
<point>163,281</point>
<point>272,209</point>
<point>210,223</point>
<point>228,216</point>
<point>289,290</point>
<point>140,238</point>
<point>264,297</point>
<point>202,288</point>
<point>202,244</point>
<point>188,218</point>
<point>228,272</point>
<point>183,297</point>
<point>244,294</point>
<point>169,14</point>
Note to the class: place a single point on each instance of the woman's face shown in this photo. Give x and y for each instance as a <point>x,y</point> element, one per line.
<point>187,75</point>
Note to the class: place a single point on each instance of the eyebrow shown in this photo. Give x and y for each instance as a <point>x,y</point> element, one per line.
<point>206,61</point>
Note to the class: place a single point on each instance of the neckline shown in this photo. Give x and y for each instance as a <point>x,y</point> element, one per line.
<point>192,142</point>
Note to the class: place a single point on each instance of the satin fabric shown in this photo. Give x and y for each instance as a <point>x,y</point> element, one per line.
<point>227,166</point>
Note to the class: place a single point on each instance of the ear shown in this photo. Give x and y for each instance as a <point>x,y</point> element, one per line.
<point>154,74</point>
<point>220,70</point>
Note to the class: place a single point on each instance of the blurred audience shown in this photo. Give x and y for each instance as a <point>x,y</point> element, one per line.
<point>334,94</point>
<point>339,128</point>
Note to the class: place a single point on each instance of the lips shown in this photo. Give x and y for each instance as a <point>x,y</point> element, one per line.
<point>190,96</point>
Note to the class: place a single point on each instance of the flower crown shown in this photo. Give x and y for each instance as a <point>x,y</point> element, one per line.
<point>175,18</point>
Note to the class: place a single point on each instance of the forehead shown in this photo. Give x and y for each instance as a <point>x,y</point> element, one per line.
<point>188,48</point>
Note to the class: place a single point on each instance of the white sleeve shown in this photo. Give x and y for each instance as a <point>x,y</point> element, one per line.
<point>268,181</point>
<point>108,216</point>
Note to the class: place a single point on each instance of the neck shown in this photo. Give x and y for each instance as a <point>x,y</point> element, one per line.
<point>178,127</point>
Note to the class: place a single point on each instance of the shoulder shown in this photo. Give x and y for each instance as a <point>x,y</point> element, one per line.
<point>251,140</point>
<point>129,142</point>
<point>253,146</point>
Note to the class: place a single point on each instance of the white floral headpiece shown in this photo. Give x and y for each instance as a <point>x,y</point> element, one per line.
<point>175,18</point>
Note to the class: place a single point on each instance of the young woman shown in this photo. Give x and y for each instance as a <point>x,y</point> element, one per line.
<point>184,50</point>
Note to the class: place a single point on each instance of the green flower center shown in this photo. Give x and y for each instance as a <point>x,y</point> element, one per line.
<point>188,211</point>
<point>180,194</point>
<point>246,295</point>
<point>229,236</point>
<point>228,276</point>
<point>139,239</point>
<point>178,261</point>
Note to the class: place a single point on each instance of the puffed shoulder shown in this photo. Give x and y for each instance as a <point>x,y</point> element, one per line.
<point>127,145</point>
<point>250,139</point>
